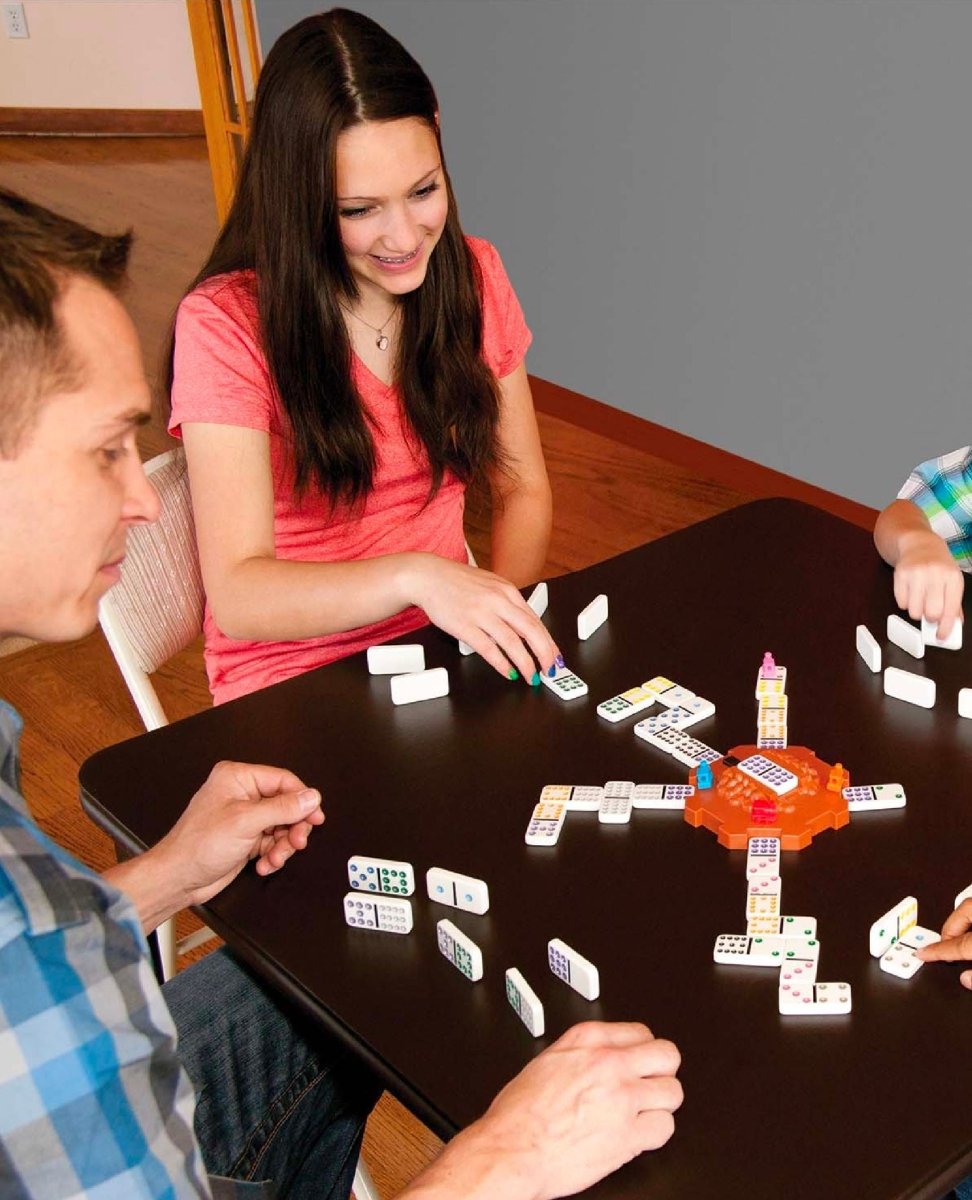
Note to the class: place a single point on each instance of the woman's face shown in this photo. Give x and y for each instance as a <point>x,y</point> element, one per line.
<point>392,204</point>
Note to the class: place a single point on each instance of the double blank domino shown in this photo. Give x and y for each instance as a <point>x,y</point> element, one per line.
<point>929,635</point>
<point>868,648</point>
<point>420,685</point>
<point>906,636</point>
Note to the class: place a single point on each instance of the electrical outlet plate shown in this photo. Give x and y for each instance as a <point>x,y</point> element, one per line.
<point>14,21</point>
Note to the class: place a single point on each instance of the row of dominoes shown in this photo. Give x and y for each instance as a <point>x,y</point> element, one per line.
<point>773,711</point>
<point>683,707</point>
<point>896,936</point>
<point>613,803</point>
<point>410,682</point>
<point>575,970</point>
<point>390,877</point>
<point>787,943</point>
<point>906,685</point>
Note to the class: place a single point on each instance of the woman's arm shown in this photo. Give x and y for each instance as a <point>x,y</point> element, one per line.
<point>522,508</point>
<point>256,596</point>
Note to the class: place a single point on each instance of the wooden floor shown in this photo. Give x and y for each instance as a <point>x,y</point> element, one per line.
<point>608,497</point>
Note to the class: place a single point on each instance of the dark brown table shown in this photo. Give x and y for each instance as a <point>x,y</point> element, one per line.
<point>876,1104</point>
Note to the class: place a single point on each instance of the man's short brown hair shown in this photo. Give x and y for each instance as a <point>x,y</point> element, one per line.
<point>39,251</point>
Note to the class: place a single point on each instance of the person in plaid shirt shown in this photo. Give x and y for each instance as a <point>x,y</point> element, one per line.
<point>111,1088</point>
<point>926,535</point>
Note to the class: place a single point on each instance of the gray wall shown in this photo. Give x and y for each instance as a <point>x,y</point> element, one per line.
<point>748,220</point>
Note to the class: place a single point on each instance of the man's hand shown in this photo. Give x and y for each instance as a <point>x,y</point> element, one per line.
<point>242,812</point>
<point>956,943</point>
<point>598,1097</point>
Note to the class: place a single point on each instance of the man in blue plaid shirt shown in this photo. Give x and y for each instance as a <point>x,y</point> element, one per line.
<point>111,1088</point>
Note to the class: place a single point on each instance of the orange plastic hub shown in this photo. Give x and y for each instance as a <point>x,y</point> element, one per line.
<point>737,808</point>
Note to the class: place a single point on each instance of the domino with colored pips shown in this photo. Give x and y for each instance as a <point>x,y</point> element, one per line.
<point>564,684</point>
<point>396,660</point>
<point>573,969</point>
<point>895,923</point>
<point>874,797</point>
<point>661,795</point>
<point>525,1002</point>
<point>545,824</point>
<point>388,914</point>
<point>815,999</point>
<point>584,798</point>
<point>791,927</point>
<point>744,951</point>
<point>625,704</point>
<point>770,774</point>
<point>616,806</point>
<point>384,875</point>
<point>458,891</point>
<point>762,857</point>
<point>771,687</point>
<point>591,618</point>
<point>901,959</point>
<point>460,950</point>
<point>691,752</point>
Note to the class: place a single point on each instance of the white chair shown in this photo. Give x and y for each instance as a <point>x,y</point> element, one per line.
<point>153,612</point>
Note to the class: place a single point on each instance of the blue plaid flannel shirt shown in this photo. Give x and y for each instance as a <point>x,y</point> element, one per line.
<point>942,489</point>
<point>93,1100</point>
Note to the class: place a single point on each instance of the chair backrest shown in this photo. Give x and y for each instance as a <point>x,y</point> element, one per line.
<point>156,609</point>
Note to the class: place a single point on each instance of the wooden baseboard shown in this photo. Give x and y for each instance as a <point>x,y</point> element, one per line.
<point>730,469</point>
<point>154,122</point>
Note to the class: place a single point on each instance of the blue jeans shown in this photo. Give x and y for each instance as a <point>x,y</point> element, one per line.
<point>280,1107</point>
<point>964,1190</point>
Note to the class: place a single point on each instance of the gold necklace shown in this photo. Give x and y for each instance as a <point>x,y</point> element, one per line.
<point>381,341</point>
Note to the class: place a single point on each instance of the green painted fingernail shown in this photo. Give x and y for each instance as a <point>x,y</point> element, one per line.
<point>535,681</point>
<point>513,674</point>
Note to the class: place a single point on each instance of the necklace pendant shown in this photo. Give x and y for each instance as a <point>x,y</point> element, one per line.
<point>381,341</point>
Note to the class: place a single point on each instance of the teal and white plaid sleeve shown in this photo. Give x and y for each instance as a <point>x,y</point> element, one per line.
<point>942,489</point>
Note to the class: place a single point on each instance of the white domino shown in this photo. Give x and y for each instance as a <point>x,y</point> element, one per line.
<point>874,797</point>
<point>625,704</point>
<point>893,926</point>
<point>460,950</point>
<point>389,914</point>
<point>525,1002</point>
<point>545,824</point>
<point>583,798</point>
<point>659,685</point>
<point>744,951</point>
<point>458,891</point>
<point>396,660</point>
<point>539,598</point>
<point>905,685</point>
<point>664,738</point>
<point>420,685</point>
<point>760,904</point>
<point>791,927</point>
<point>615,808</point>
<point>666,796</point>
<point>674,696</point>
<point>591,618</point>
<point>965,702</point>
<point>564,683</point>
<point>963,895</point>
<point>776,742</point>
<point>771,687</point>
<point>770,774</point>
<point>929,635</point>
<point>699,707</point>
<point>762,857</point>
<point>765,885</point>
<point>384,875</point>
<point>868,648</point>
<point>901,958</point>
<point>904,635</point>
<point>692,752</point>
<point>815,999</point>
<point>573,969</point>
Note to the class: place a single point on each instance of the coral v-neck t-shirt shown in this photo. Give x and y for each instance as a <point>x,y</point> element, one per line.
<point>221,377</point>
